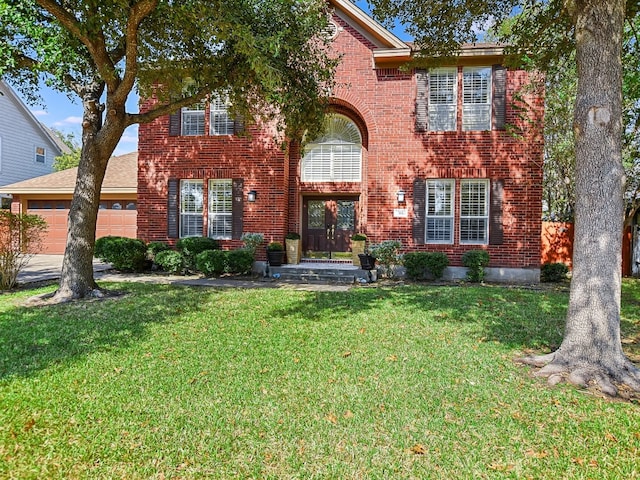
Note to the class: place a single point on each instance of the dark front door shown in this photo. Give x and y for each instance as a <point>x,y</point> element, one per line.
<point>328,225</point>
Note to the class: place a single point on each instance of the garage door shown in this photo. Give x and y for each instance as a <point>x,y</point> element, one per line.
<point>115,217</point>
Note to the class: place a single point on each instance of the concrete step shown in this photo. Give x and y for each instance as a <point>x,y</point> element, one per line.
<point>320,273</point>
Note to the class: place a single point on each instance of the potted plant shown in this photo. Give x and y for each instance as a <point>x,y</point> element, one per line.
<point>294,247</point>
<point>358,244</point>
<point>275,254</point>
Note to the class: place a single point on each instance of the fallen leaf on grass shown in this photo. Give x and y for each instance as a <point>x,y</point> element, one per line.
<point>29,425</point>
<point>418,449</point>
<point>535,454</point>
<point>331,418</point>
<point>392,358</point>
<point>348,414</point>
<point>346,354</point>
<point>611,437</point>
<point>501,467</point>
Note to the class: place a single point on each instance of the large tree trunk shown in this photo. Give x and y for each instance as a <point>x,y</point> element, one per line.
<point>591,350</point>
<point>98,143</point>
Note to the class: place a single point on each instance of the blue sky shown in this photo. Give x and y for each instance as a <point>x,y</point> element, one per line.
<point>59,112</point>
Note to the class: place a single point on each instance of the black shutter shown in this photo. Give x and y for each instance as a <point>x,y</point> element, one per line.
<point>175,123</point>
<point>496,230</point>
<point>237,190</point>
<point>238,124</point>
<point>422,100</point>
<point>419,210</point>
<point>172,208</point>
<point>499,103</point>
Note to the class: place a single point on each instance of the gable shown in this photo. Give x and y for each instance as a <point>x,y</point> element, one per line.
<point>386,47</point>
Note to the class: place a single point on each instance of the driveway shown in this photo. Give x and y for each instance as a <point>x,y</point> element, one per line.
<point>48,267</point>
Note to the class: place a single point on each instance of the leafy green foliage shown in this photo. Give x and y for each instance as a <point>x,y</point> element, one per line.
<point>425,265</point>
<point>67,160</point>
<point>190,247</point>
<point>239,261</point>
<point>124,254</point>
<point>170,261</point>
<point>252,241</point>
<point>153,248</point>
<point>143,380</point>
<point>387,253</point>
<point>475,261</point>
<point>553,272</point>
<point>211,262</point>
<point>275,247</point>
<point>20,238</point>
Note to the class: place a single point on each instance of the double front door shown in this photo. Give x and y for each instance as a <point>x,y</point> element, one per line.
<point>328,224</point>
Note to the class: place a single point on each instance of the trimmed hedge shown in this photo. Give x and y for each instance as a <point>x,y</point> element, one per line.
<point>239,261</point>
<point>475,261</point>
<point>217,262</point>
<point>124,254</point>
<point>170,261</point>
<point>553,272</point>
<point>190,247</point>
<point>425,265</point>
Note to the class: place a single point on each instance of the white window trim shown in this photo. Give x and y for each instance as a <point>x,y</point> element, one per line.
<point>43,155</point>
<point>219,105</point>
<point>185,213</point>
<point>431,183</point>
<point>484,217</point>
<point>471,110</point>
<point>195,110</point>
<point>227,207</point>
<point>439,109</point>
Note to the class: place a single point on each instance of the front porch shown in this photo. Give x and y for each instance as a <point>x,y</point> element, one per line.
<point>311,270</point>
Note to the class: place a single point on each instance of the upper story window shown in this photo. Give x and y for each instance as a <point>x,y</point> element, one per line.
<point>336,156</point>
<point>41,155</point>
<point>443,99</point>
<point>193,120</point>
<point>476,98</point>
<point>221,122</point>
<point>481,99</point>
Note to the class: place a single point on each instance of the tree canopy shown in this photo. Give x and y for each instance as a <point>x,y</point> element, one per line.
<point>268,56</point>
<point>545,32</point>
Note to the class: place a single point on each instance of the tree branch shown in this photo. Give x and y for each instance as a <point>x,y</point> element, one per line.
<point>167,108</point>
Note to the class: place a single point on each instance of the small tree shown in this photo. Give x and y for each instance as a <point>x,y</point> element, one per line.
<point>20,238</point>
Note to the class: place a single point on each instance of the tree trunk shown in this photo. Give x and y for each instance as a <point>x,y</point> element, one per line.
<point>591,350</point>
<point>98,143</point>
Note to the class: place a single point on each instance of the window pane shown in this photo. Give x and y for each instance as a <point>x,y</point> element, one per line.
<point>440,211</point>
<point>346,214</point>
<point>476,98</point>
<point>220,209</point>
<point>193,120</point>
<point>315,214</point>
<point>474,211</point>
<point>40,154</point>
<point>335,157</point>
<point>191,206</point>
<point>221,122</point>
<point>442,99</point>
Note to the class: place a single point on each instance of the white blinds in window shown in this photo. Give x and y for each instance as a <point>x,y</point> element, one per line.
<point>220,209</point>
<point>221,122</point>
<point>476,98</point>
<point>442,99</point>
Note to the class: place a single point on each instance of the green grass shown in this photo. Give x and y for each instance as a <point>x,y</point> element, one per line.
<point>405,382</point>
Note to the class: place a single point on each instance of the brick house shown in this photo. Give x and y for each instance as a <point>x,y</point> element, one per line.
<point>421,156</point>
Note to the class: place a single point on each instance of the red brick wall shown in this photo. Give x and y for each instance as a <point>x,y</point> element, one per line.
<point>382,104</point>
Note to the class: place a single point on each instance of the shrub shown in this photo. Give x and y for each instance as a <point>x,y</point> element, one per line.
<point>170,261</point>
<point>475,261</point>
<point>424,265</point>
<point>124,254</point>
<point>239,261</point>
<point>211,262</point>
<point>388,256</point>
<point>20,237</point>
<point>154,248</point>
<point>192,246</point>
<point>252,241</point>
<point>275,247</point>
<point>358,237</point>
<point>292,236</point>
<point>553,272</point>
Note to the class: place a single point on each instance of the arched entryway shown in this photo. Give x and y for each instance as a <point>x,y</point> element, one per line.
<point>332,165</point>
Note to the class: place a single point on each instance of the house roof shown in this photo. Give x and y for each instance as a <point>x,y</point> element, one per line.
<point>389,48</point>
<point>121,177</point>
<point>5,89</point>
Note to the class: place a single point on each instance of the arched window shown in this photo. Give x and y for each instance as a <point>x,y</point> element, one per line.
<point>336,156</point>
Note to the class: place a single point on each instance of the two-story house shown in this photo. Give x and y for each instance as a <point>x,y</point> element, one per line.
<point>27,148</point>
<point>428,157</point>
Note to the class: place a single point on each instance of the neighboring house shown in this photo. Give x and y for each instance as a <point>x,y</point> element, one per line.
<point>50,197</point>
<point>419,156</point>
<point>27,148</point>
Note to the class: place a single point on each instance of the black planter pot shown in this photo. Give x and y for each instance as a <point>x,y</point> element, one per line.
<point>367,261</point>
<point>275,257</point>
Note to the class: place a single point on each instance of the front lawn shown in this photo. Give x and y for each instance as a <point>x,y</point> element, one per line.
<point>404,382</point>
